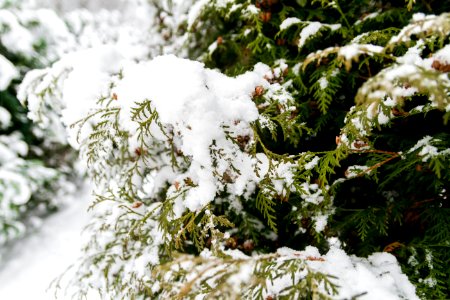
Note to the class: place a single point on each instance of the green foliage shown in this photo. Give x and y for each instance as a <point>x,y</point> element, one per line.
<point>351,141</point>
<point>334,67</point>
<point>31,170</point>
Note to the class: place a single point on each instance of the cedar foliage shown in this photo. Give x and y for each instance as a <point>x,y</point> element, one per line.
<point>33,170</point>
<point>399,203</point>
<point>355,137</point>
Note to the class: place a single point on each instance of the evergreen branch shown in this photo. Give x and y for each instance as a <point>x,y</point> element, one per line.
<point>379,164</point>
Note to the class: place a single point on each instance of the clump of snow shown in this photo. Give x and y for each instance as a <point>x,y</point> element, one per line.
<point>401,70</point>
<point>296,68</point>
<point>431,282</point>
<point>19,180</point>
<point>320,222</point>
<point>251,10</point>
<point>428,151</point>
<point>213,47</point>
<point>422,24</point>
<point>443,55</point>
<point>383,119</point>
<point>323,82</point>
<point>310,30</point>
<point>324,79</point>
<point>20,194</point>
<point>284,178</point>
<point>310,165</point>
<point>194,102</point>
<point>351,51</point>
<point>17,38</point>
<point>8,72</point>
<point>312,193</point>
<point>105,37</point>
<point>413,55</point>
<point>371,15</point>
<point>377,277</point>
<point>177,84</point>
<point>376,110</point>
<point>88,68</point>
<point>5,118</point>
<point>195,11</point>
<point>368,17</point>
<point>288,22</point>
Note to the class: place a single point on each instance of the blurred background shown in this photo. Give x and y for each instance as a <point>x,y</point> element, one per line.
<point>44,196</point>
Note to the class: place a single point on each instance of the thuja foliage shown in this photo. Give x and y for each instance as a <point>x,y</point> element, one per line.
<point>341,132</point>
<point>384,161</point>
<point>31,172</point>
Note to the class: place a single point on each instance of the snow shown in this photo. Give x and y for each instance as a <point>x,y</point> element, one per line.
<point>201,112</point>
<point>195,11</point>
<point>5,118</point>
<point>13,146</point>
<point>323,82</point>
<point>351,51</point>
<point>420,24</point>
<point>296,68</point>
<point>311,193</point>
<point>383,119</point>
<point>320,221</point>
<point>7,72</point>
<point>17,38</point>
<point>89,68</point>
<point>15,187</point>
<point>34,262</point>
<point>400,71</point>
<point>288,22</point>
<point>377,277</point>
<point>372,15</point>
<point>310,30</point>
<point>195,102</point>
<point>251,10</point>
<point>213,47</point>
<point>21,194</point>
<point>443,55</point>
<point>310,165</point>
<point>413,55</point>
<point>179,86</point>
<point>283,175</point>
<point>223,3</point>
<point>428,151</point>
<point>21,38</point>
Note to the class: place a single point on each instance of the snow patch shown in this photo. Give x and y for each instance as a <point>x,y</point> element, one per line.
<point>8,72</point>
<point>310,30</point>
<point>289,22</point>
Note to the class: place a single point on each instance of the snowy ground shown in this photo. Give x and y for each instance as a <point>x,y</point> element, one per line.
<point>34,262</point>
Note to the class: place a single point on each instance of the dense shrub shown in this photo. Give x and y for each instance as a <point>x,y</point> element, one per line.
<point>33,171</point>
<point>315,125</point>
<point>387,179</point>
